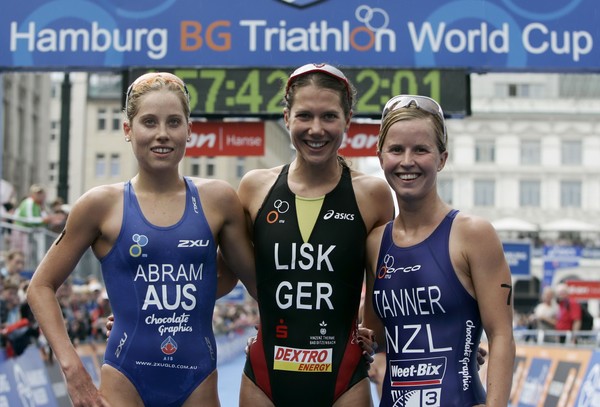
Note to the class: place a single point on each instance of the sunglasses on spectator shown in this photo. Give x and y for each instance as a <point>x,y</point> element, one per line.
<point>151,78</point>
<point>420,102</point>
<point>324,68</point>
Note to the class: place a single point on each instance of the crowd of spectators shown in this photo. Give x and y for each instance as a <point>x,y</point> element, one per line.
<point>17,324</point>
<point>234,317</point>
<point>85,307</point>
<point>557,318</point>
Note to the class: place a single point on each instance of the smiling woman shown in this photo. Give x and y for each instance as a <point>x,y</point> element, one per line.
<point>436,277</point>
<point>310,219</point>
<point>156,237</point>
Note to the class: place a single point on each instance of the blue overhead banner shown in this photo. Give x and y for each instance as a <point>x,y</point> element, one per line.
<point>518,257</point>
<point>479,35</point>
<point>559,257</point>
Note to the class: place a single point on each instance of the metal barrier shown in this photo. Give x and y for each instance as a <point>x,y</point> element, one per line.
<point>38,241</point>
<point>547,336</point>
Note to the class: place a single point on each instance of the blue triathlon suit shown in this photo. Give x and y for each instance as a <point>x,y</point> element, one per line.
<point>306,352</point>
<point>432,324</point>
<point>162,282</point>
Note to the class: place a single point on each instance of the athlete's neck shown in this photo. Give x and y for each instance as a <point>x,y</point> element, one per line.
<point>312,181</point>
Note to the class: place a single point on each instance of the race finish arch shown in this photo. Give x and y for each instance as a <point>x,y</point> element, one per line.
<point>235,54</point>
<point>477,35</point>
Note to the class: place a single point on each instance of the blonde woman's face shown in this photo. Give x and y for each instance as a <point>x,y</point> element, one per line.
<point>410,158</point>
<point>160,129</point>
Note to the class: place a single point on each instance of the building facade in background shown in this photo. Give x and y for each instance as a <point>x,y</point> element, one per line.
<point>529,151</point>
<point>25,130</point>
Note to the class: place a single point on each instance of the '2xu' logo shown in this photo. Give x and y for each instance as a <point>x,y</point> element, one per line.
<point>331,214</point>
<point>192,243</point>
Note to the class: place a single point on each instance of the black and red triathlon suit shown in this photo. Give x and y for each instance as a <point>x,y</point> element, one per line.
<point>306,352</point>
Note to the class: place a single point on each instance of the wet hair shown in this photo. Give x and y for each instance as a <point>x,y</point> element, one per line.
<point>320,79</point>
<point>345,90</point>
<point>155,81</point>
<point>412,112</point>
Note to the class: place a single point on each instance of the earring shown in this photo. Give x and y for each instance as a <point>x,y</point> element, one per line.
<point>189,139</point>
<point>127,139</point>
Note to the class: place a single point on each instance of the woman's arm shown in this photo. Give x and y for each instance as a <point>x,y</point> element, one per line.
<point>226,278</point>
<point>234,238</point>
<point>369,317</point>
<point>482,252</point>
<point>81,230</point>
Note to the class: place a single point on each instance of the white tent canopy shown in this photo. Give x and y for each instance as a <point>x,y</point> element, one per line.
<point>570,225</point>
<point>514,225</point>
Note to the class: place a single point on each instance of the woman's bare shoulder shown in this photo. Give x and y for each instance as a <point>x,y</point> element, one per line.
<point>203,183</point>
<point>374,198</point>
<point>475,234</point>
<point>472,225</point>
<point>213,190</point>
<point>101,195</point>
<point>369,182</point>
<point>260,176</point>
<point>96,207</point>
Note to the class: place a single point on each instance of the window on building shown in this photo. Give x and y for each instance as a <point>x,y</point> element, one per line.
<point>519,90</point>
<point>195,167</point>
<point>445,187</point>
<point>240,167</point>
<point>530,193</point>
<point>485,151</point>
<point>52,171</point>
<point>116,119</point>
<point>53,130</point>
<point>570,194</point>
<point>531,152</point>
<point>102,119</point>
<point>55,91</point>
<point>571,152</point>
<point>210,166</point>
<point>484,193</point>
<point>100,165</point>
<point>115,165</point>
